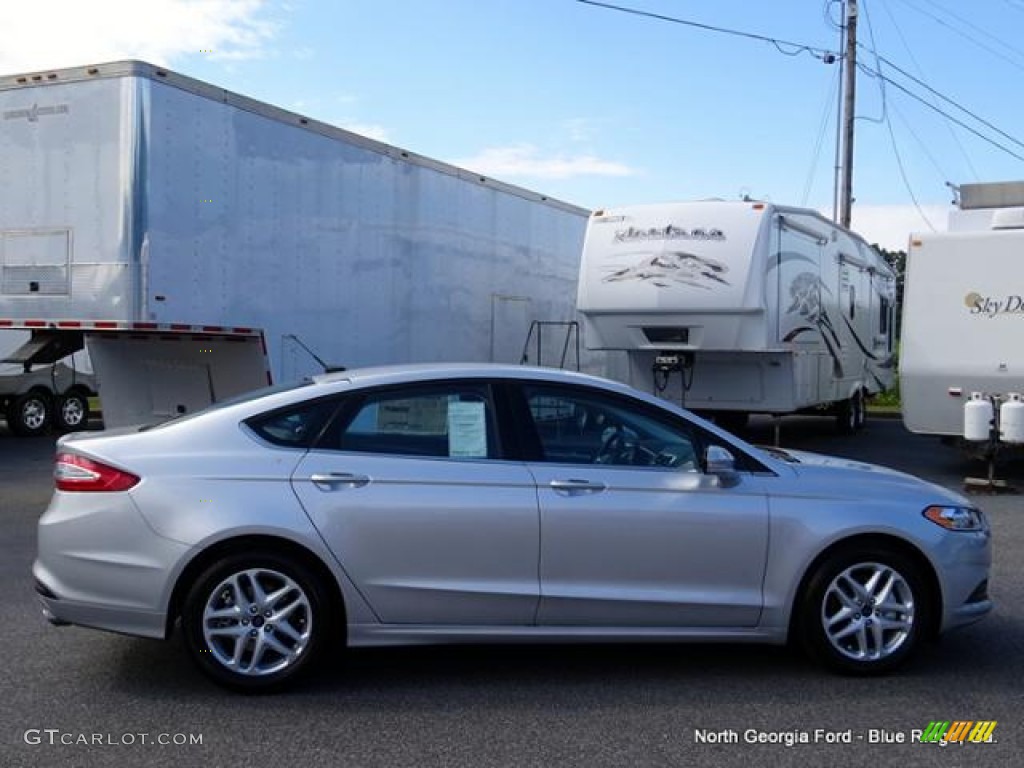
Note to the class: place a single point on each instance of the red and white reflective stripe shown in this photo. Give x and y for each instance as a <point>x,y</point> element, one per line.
<point>114,325</point>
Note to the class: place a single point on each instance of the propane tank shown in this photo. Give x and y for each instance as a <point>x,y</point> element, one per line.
<point>978,414</point>
<point>1011,419</point>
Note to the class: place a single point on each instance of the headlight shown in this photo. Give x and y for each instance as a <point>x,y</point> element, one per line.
<point>956,518</point>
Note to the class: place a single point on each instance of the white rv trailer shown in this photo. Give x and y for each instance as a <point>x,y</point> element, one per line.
<point>963,318</point>
<point>146,214</point>
<point>740,307</point>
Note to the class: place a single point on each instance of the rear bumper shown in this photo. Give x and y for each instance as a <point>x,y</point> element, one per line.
<point>62,613</point>
<point>100,565</point>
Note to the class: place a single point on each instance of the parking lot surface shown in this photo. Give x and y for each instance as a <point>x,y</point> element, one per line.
<point>77,697</point>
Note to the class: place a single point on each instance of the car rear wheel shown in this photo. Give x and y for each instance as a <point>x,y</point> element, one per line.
<point>864,612</point>
<point>256,621</point>
<point>72,411</point>
<point>29,415</point>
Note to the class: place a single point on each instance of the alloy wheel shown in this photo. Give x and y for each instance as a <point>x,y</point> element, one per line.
<point>257,622</point>
<point>868,611</point>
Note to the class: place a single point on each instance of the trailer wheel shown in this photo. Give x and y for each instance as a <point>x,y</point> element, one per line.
<point>862,413</point>
<point>29,415</point>
<point>732,421</point>
<point>72,411</point>
<point>850,415</point>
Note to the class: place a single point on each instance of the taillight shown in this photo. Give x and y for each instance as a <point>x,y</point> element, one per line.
<point>77,473</point>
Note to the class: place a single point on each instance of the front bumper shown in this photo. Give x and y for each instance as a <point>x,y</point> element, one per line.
<point>964,561</point>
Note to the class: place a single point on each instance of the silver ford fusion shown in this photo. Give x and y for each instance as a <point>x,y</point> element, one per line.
<point>469,503</point>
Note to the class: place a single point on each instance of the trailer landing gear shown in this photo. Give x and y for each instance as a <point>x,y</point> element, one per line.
<point>990,483</point>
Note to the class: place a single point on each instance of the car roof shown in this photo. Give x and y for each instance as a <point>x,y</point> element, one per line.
<point>427,371</point>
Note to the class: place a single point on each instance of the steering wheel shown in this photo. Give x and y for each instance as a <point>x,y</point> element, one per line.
<point>612,446</point>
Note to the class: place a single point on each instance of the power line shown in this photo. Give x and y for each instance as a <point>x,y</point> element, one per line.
<point>878,66</point>
<point>964,35</point>
<point>967,22</point>
<point>920,69</point>
<point>874,73</point>
<point>829,56</point>
<point>797,48</point>
<point>903,174</point>
<point>816,155</point>
<point>924,147</point>
<point>950,101</point>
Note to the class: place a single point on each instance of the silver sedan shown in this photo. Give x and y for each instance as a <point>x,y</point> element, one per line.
<point>471,503</point>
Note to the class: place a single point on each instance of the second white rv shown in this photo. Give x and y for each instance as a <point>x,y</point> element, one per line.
<point>740,307</point>
<point>962,356</point>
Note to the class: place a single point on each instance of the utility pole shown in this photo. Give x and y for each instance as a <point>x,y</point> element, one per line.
<point>849,100</point>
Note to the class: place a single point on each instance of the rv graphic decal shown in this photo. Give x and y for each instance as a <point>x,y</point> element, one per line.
<point>805,292</point>
<point>989,306</point>
<point>668,232</point>
<point>677,267</point>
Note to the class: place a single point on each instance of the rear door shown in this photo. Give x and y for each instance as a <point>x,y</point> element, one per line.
<point>410,489</point>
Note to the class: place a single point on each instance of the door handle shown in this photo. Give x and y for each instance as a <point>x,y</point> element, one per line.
<point>339,478</point>
<point>575,486</point>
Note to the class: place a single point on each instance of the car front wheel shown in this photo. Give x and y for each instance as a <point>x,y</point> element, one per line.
<point>864,612</point>
<point>256,621</point>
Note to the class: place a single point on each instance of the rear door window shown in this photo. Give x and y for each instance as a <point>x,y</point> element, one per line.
<point>450,420</point>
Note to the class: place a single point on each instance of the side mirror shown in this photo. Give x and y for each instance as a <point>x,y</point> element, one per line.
<point>721,464</point>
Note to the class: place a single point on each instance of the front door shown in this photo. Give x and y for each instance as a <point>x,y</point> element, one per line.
<point>632,532</point>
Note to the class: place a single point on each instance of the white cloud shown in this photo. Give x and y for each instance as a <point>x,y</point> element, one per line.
<point>891,225</point>
<point>62,33</point>
<point>526,160</point>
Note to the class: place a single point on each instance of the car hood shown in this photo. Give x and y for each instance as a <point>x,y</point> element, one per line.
<point>862,479</point>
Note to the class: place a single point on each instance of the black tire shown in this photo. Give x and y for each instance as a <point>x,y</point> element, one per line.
<point>71,413</point>
<point>29,415</point>
<point>868,638</point>
<point>862,413</point>
<point>850,415</point>
<point>308,620</point>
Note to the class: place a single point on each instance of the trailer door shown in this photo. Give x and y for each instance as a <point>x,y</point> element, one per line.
<point>145,378</point>
<point>803,323</point>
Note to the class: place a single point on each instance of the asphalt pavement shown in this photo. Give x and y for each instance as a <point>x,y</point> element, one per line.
<point>78,697</point>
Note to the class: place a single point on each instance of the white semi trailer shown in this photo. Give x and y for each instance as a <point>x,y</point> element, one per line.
<point>194,240</point>
<point>962,353</point>
<point>740,307</point>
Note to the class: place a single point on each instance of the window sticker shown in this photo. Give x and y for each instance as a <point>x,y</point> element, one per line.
<point>467,430</point>
<point>416,416</point>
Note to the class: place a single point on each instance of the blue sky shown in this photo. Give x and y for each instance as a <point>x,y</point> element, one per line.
<point>595,106</point>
